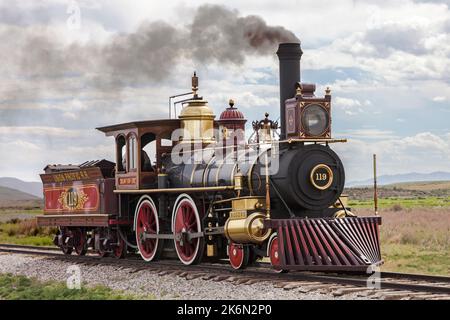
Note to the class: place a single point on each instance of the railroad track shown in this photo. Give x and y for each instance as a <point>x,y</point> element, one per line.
<point>386,285</point>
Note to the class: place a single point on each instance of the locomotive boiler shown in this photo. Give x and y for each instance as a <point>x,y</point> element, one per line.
<point>192,187</point>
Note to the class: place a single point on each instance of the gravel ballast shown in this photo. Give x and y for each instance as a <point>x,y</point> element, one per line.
<point>149,283</point>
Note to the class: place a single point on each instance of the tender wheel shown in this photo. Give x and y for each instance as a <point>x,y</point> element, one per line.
<point>239,255</point>
<point>273,253</point>
<point>146,221</point>
<point>102,250</point>
<point>79,242</point>
<point>66,248</point>
<point>185,221</point>
<point>120,250</point>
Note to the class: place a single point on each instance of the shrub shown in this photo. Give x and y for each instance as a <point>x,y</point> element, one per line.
<point>397,207</point>
<point>13,221</point>
<point>29,228</point>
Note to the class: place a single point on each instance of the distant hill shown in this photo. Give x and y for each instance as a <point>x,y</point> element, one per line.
<point>8,194</point>
<point>402,178</point>
<point>32,188</point>
<point>421,185</point>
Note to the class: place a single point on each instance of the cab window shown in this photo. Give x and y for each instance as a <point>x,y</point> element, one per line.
<point>132,153</point>
<point>121,155</point>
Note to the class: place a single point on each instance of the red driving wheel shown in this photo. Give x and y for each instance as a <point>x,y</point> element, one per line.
<point>79,241</point>
<point>274,254</point>
<point>187,220</point>
<point>239,255</point>
<point>146,222</point>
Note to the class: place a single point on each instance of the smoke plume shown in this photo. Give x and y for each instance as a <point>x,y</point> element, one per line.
<point>216,34</point>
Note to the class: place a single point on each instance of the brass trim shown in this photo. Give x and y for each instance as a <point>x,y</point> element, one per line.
<point>191,181</point>
<point>317,140</point>
<point>248,203</point>
<point>175,190</point>
<point>250,174</point>
<point>205,172</point>
<point>238,181</point>
<point>238,215</point>
<point>330,173</point>
<point>237,198</point>
<point>291,140</point>
<point>211,250</point>
<point>337,204</point>
<point>218,172</point>
<point>232,172</point>
<point>247,230</point>
<point>342,214</point>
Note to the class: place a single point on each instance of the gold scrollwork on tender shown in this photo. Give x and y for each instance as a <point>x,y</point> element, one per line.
<point>73,199</point>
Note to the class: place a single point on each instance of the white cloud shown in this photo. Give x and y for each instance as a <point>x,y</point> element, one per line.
<point>439,99</point>
<point>367,134</point>
<point>423,152</point>
<point>350,106</point>
<point>40,131</point>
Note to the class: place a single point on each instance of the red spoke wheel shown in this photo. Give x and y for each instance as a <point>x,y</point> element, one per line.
<point>274,254</point>
<point>185,221</point>
<point>239,255</point>
<point>146,222</point>
<point>79,242</point>
<point>120,249</point>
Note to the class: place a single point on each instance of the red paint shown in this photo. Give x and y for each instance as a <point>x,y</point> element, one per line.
<point>119,222</point>
<point>55,204</point>
<point>186,221</point>
<point>147,222</point>
<point>236,254</point>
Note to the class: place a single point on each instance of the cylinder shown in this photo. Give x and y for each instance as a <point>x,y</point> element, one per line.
<point>247,230</point>
<point>289,55</point>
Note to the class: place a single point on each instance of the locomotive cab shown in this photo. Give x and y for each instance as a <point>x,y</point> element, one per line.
<point>140,147</point>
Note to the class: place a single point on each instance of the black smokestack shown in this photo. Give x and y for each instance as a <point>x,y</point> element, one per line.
<point>289,55</point>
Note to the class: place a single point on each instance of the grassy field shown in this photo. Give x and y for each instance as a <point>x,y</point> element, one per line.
<point>22,288</point>
<point>392,202</point>
<point>415,240</point>
<point>25,232</point>
<point>19,209</point>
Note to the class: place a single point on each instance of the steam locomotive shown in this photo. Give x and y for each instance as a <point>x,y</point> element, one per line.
<point>192,188</point>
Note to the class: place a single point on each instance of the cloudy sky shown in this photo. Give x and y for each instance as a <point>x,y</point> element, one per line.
<point>67,67</point>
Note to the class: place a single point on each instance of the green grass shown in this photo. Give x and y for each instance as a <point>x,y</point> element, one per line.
<point>27,240</point>
<point>23,288</point>
<point>418,202</point>
<point>25,232</point>
<point>31,211</point>
<point>413,259</point>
